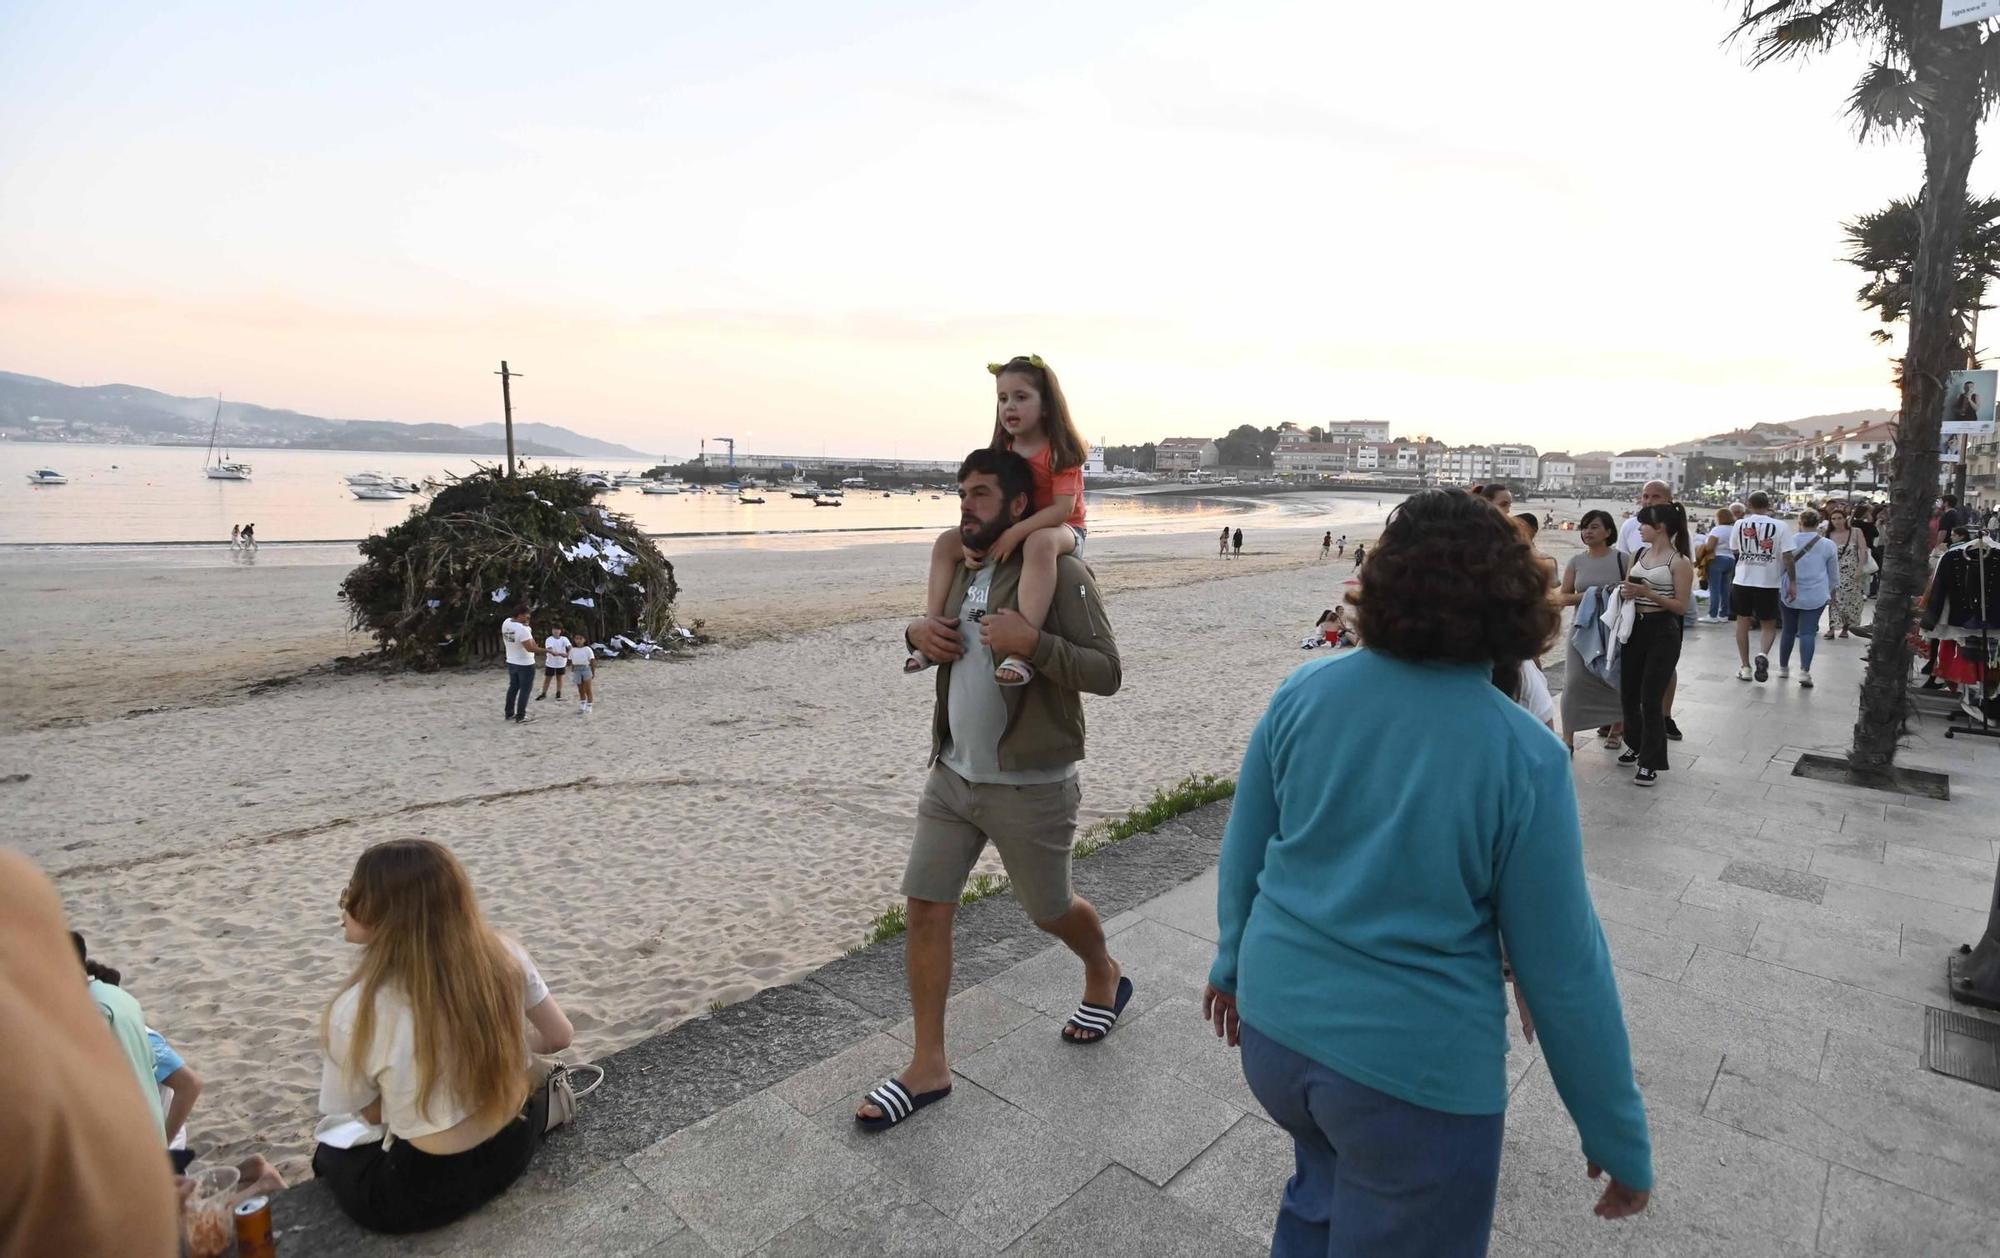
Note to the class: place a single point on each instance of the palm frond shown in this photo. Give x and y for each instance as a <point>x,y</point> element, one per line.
<point>1887,99</point>
<point>1784,29</point>
<point>1989,71</point>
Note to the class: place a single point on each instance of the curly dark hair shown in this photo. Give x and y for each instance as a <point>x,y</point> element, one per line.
<point>1452,579</point>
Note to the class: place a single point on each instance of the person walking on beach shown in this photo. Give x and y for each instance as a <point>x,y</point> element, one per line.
<point>1236,541</point>
<point>581,659</point>
<point>1223,548</point>
<point>250,537</point>
<point>518,636</point>
<point>1003,769</point>
<point>1325,546</point>
<point>1754,597</point>
<point>1360,553</point>
<point>555,663</point>
<point>1358,960</point>
<point>235,536</point>
<point>1661,585</point>
<point>1340,547</point>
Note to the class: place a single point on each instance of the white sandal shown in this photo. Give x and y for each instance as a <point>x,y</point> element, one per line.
<point>1020,667</point>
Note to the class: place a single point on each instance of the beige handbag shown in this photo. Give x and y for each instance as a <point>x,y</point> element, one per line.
<point>558,1084</point>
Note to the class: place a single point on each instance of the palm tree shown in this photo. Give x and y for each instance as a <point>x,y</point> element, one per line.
<point>1850,468</point>
<point>1829,467</point>
<point>1884,244</point>
<point>1876,459</point>
<point>1938,83</point>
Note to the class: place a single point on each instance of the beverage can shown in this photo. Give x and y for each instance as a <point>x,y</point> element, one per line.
<point>253,1229</point>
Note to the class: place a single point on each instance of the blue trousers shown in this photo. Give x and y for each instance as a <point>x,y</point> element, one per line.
<point>1376,1175</point>
<point>520,685</point>
<point>1801,625</point>
<point>1721,582</point>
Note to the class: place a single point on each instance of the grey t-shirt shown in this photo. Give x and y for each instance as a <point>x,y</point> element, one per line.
<point>975,710</point>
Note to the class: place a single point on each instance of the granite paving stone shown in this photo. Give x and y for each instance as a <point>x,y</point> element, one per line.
<point>1870,1218</point>
<point>1648,952</point>
<point>1161,962</point>
<point>1793,884</point>
<point>973,1019</point>
<point>878,1216</point>
<point>744,1175</point>
<point>1856,930</point>
<point>1189,908</point>
<point>1240,1179</point>
<point>1104,1097</point>
<point>1895,908</point>
<point>1680,1036</point>
<point>1172,1036</point>
<point>991,1168</point>
<point>610,1214</point>
<point>1915,978</point>
<point>1973,891</point>
<point>855,1069</point>
<point>1807,998</point>
<point>1875,1108</point>
<point>1119,1215</point>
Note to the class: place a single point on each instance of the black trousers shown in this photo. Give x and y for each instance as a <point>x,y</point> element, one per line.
<point>1646,669</point>
<point>404,1189</point>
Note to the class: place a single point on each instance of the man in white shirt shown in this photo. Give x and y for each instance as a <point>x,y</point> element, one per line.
<point>555,663</point>
<point>518,636</point>
<point>1754,597</point>
<point>1654,493</point>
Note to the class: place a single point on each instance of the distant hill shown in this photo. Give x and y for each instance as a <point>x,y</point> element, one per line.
<point>31,406</point>
<point>549,434</point>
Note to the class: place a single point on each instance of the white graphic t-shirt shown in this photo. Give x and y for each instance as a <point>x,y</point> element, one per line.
<point>517,635</point>
<point>556,652</point>
<point>1759,539</point>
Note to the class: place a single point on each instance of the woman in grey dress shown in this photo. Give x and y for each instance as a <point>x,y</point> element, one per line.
<point>1587,700</point>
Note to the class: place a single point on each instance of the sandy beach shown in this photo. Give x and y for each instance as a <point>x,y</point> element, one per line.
<point>719,824</point>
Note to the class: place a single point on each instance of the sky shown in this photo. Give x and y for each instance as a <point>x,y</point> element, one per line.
<point>809,226</point>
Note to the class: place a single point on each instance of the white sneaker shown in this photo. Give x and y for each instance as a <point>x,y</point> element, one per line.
<point>1805,679</point>
<point>1743,673</point>
<point>1784,670</point>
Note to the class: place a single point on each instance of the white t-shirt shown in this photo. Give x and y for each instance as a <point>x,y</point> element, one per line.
<point>1759,542</point>
<point>1535,696</point>
<point>389,1070</point>
<point>581,656</point>
<point>1724,537</point>
<point>517,636</point>
<point>1629,540</point>
<point>557,652</point>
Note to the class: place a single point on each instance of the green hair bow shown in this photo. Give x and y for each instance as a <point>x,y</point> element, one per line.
<point>1033,360</point>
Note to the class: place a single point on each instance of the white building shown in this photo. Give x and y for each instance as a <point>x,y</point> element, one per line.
<point>1308,458</point>
<point>1185,454</point>
<point>1516,464</point>
<point>1805,458</point>
<point>1558,471</point>
<point>1636,467</point>
<point>1358,430</point>
<point>1466,465</point>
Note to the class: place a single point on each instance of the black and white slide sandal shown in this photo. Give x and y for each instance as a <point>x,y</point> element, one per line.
<point>1097,1018</point>
<point>896,1104</point>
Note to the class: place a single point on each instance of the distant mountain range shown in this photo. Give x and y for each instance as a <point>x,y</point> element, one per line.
<point>32,408</point>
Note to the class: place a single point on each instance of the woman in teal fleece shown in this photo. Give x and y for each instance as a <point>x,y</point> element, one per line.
<point>1359,959</point>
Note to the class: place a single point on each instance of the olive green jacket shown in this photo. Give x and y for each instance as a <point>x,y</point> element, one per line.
<point>1076,655</point>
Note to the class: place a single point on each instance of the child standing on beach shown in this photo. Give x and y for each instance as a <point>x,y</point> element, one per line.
<point>1031,418</point>
<point>555,662</point>
<point>581,658</point>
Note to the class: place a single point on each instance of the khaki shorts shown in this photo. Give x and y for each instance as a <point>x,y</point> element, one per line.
<point>1032,828</point>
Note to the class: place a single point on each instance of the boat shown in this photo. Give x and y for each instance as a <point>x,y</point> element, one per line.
<point>733,486</point>
<point>629,480</point>
<point>595,480</point>
<point>803,489</point>
<point>835,492</point>
<point>47,476</point>
<point>750,500</point>
<point>658,487</point>
<point>376,493</point>
<point>826,502</point>
<point>367,478</point>
<point>220,466</point>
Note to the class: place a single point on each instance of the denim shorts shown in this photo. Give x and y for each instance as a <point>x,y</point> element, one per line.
<point>1078,534</point>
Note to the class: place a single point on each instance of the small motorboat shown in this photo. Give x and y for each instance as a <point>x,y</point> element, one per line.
<point>835,492</point>
<point>368,478</point>
<point>732,485</point>
<point>806,490</point>
<point>658,487</point>
<point>376,493</point>
<point>596,481</point>
<point>750,500</point>
<point>826,502</point>
<point>403,484</point>
<point>47,476</point>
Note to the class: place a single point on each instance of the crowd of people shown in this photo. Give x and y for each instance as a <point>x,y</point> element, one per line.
<point>1367,946</point>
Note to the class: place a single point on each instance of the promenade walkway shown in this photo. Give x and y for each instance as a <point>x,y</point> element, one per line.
<point>1777,942</point>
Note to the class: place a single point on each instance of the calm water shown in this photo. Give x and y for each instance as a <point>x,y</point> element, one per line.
<point>154,494</point>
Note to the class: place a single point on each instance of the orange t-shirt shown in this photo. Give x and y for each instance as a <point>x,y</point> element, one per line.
<point>1049,483</point>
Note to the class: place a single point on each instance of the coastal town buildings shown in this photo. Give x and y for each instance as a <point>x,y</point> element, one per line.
<point>1636,467</point>
<point>1829,457</point>
<point>1186,454</point>
<point>1558,471</point>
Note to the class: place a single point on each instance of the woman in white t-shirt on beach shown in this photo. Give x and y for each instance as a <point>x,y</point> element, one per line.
<point>432,1109</point>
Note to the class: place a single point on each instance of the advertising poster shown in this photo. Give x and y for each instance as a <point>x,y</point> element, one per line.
<point>1968,403</point>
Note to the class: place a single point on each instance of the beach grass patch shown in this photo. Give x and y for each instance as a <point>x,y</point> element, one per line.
<point>1186,795</point>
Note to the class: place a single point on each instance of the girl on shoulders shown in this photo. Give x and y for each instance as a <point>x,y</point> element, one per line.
<point>428,1043</point>
<point>1031,418</point>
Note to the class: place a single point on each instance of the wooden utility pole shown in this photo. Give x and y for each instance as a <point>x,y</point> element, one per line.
<point>507,405</point>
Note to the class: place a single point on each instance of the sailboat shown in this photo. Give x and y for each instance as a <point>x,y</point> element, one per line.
<point>219,467</point>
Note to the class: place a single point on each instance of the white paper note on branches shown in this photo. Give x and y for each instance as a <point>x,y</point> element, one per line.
<point>1959,12</point>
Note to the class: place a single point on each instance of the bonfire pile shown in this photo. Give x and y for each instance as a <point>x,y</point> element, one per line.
<point>434,589</point>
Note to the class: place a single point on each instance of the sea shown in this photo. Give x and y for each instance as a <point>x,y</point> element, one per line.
<point>158,497</point>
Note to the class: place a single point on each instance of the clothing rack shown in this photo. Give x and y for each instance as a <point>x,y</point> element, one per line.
<point>1985,728</point>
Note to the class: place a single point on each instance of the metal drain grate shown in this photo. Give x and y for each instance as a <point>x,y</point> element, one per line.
<point>1963,1047</point>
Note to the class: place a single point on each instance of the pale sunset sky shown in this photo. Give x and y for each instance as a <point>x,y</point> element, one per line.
<point>1575,223</point>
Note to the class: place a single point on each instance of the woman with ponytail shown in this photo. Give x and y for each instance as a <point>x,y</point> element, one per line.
<point>1661,584</point>
<point>429,1042</point>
